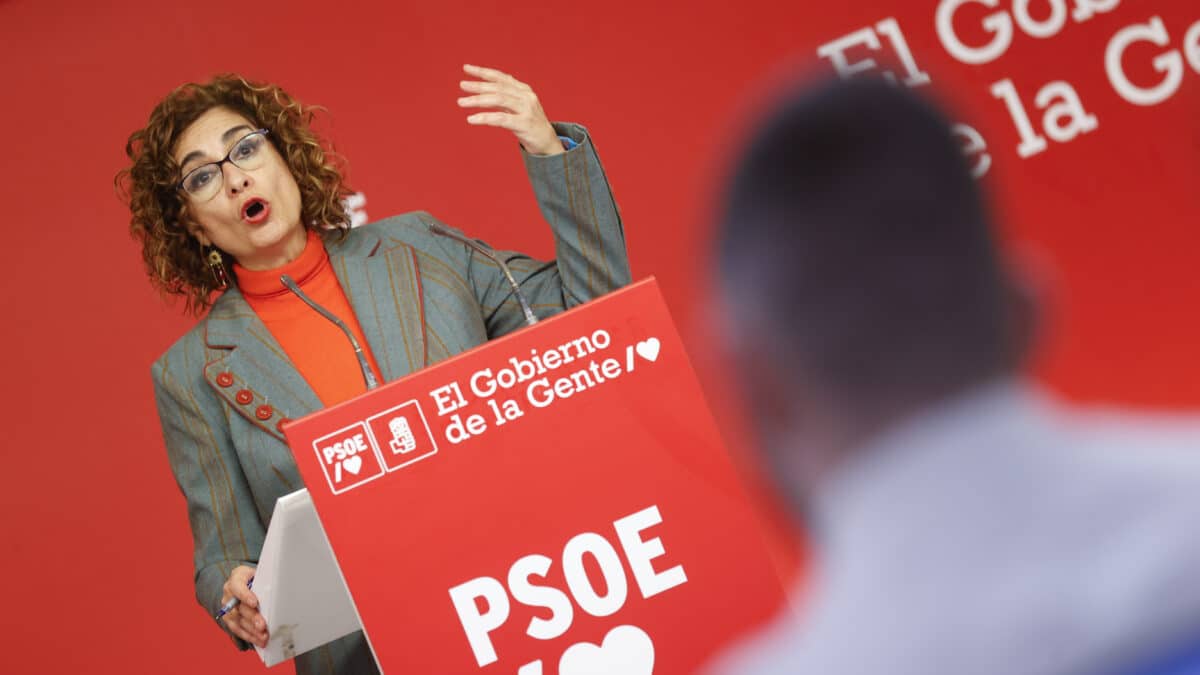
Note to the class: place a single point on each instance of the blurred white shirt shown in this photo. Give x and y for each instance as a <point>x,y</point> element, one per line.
<point>1000,534</point>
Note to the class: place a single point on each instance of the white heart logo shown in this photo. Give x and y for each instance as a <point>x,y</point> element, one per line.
<point>648,349</point>
<point>353,464</point>
<point>626,650</point>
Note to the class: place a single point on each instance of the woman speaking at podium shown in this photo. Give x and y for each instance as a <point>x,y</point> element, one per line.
<point>232,194</point>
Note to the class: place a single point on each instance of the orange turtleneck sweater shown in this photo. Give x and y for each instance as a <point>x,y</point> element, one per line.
<point>318,348</point>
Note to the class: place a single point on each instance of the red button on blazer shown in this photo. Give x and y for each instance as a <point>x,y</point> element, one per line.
<point>225,379</point>
<point>264,412</point>
<point>244,396</point>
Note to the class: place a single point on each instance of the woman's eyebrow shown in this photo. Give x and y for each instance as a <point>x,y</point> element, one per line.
<point>225,138</point>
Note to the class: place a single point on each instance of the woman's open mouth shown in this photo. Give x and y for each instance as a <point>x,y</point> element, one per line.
<point>256,211</point>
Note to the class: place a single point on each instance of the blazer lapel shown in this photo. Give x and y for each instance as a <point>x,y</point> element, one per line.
<point>383,284</point>
<point>250,370</point>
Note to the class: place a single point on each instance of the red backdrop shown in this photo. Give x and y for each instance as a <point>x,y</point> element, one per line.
<point>95,545</point>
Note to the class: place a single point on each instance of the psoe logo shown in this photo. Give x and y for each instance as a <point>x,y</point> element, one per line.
<point>349,457</point>
<point>402,435</point>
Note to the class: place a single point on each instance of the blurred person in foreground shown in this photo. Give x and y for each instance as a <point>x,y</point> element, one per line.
<point>964,521</point>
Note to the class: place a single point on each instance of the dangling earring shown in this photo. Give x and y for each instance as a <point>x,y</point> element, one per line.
<point>217,266</point>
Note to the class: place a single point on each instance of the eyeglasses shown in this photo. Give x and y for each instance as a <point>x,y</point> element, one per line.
<point>203,182</point>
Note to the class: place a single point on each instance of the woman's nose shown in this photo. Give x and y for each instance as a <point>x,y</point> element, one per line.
<point>236,180</point>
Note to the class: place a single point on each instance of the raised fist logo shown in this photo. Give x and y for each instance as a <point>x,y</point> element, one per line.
<point>402,436</point>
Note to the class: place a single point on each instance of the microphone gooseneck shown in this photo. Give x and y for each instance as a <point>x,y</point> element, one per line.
<point>368,376</point>
<point>483,250</point>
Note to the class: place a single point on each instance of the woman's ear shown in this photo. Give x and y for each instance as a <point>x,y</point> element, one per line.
<point>197,233</point>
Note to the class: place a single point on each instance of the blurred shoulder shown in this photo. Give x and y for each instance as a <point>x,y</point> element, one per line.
<point>1157,452</point>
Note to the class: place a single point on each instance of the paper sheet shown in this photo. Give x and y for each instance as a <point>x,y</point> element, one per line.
<point>300,589</point>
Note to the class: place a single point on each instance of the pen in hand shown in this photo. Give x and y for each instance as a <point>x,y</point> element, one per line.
<point>233,602</point>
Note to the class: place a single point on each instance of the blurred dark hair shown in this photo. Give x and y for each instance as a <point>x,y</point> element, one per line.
<point>853,231</point>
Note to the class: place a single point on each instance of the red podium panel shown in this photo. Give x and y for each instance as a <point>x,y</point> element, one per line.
<point>555,501</point>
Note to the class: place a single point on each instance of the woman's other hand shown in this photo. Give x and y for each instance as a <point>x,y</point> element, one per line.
<point>516,109</point>
<point>244,621</point>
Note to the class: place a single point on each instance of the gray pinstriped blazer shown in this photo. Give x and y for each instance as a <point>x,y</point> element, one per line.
<point>419,298</point>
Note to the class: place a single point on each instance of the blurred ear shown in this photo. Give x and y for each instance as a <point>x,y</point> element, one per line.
<point>1030,290</point>
<point>747,345</point>
<point>770,395</point>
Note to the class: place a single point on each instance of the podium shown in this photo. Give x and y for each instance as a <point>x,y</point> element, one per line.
<point>554,501</point>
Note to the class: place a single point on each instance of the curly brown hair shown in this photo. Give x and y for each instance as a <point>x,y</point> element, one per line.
<point>160,219</point>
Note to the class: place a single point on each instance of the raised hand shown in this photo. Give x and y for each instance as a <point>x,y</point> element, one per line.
<point>515,107</point>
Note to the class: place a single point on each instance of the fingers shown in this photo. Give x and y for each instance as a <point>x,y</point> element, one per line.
<point>493,75</point>
<point>477,87</point>
<point>496,119</point>
<point>244,620</point>
<point>252,621</point>
<point>237,586</point>
<point>233,621</point>
<point>513,88</point>
<point>248,624</point>
<point>503,101</point>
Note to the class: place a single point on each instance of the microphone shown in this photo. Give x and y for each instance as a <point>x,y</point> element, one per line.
<point>483,250</point>
<point>368,376</point>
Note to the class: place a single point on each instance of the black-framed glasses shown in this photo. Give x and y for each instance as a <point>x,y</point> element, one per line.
<point>203,182</point>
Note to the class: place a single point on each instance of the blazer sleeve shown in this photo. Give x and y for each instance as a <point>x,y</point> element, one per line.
<point>226,531</point>
<point>575,199</point>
